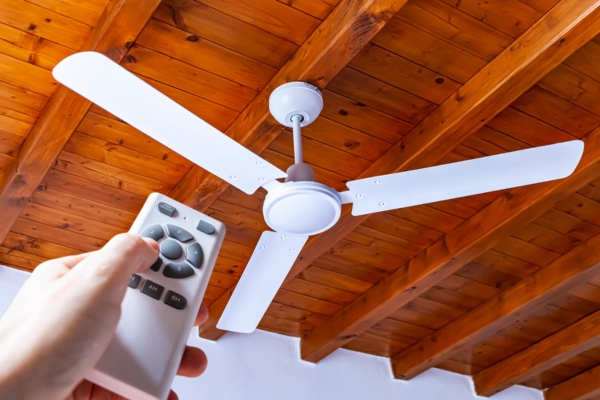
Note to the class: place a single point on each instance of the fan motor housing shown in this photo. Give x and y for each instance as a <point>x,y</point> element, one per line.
<point>296,98</point>
<point>302,208</point>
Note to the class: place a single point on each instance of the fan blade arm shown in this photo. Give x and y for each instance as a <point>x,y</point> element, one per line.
<point>270,263</point>
<point>110,86</point>
<point>465,178</point>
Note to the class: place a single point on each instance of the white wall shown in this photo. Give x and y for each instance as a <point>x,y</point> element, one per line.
<point>266,366</point>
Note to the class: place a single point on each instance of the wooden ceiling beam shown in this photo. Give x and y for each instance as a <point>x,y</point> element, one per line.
<point>349,27</point>
<point>563,30</point>
<point>535,359</point>
<point>117,29</point>
<point>567,272</point>
<point>584,386</point>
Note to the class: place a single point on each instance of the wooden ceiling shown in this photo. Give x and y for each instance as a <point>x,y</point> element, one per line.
<point>503,286</point>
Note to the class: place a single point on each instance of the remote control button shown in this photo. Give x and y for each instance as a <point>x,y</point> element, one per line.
<point>194,254</point>
<point>153,232</point>
<point>175,300</point>
<point>171,249</point>
<point>157,264</point>
<point>179,233</point>
<point>166,209</point>
<point>134,281</point>
<point>205,227</point>
<point>178,270</point>
<point>152,289</point>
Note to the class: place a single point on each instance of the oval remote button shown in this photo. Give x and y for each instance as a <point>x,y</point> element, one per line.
<point>194,254</point>
<point>171,249</point>
<point>178,270</point>
<point>175,300</point>
<point>153,232</point>
<point>166,209</point>
<point>205,227</point>
<point>179,233</point>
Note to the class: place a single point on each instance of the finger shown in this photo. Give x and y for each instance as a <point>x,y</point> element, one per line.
<point>202,316</point>
<point>172,396</point>
<point>193,363</point>
<point>123,255</point>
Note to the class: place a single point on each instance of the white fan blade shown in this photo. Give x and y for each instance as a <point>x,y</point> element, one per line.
<point>110,86</point>
<point>465,178</point>
<point>269,265</point>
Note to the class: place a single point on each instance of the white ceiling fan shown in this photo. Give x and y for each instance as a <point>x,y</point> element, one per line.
<point>298,207</point>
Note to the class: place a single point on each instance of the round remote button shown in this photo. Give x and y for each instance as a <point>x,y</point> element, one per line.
<point>171,249</point>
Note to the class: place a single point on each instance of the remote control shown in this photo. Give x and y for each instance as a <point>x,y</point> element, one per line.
<point>160,306</point>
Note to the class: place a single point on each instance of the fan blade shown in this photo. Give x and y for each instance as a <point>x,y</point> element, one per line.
<point>465,178</point>
<point>270,263</point>
<point>110,86</point>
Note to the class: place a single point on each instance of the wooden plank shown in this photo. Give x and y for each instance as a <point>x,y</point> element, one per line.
<point>45,23</point>
<point>459,247</point>
<point>573,86</point>
<point>127,136</point>
<point>562,275</point>
<point>344,138</point>
<point>318,291</point>
<point>574,339</point>
<point>319,155</point>
<point>334,280</point>
<point>87,12</point>
<point>118,27</point>
<point>70,222</point>
<point>381,95</point>
<point>159,67</point>
<point>454,26</point>
<point>84,208</point>
<point>27,76</point>
<point>179,44</point>
<point>31,48</point>
<point>271,16</point>
<point>525,251</point>
<point>402,73</point>
<point>565,116</point>
<point>424,49</point>
<point>58,235</point>
<point>513,18</point>
<point>215,114</point>
<point>295,314</point>
<point>224,30</point>
<point>21,100</point>
<point>119,156</point>
<point>37,247</point>
<point>525,128</point>
<point>85,188</point>
<point>339,38</point>
<point>317,8</point>
<point>108,175</point>
<point>359,116</point>
<point>581,387</point>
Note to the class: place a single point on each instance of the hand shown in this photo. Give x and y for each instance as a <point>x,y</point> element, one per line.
<point>63,318</point>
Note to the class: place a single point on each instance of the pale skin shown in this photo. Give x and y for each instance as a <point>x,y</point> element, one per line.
<point>63,318</point>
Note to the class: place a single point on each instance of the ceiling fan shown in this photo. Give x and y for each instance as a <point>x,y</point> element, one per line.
<point>300,206</point>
